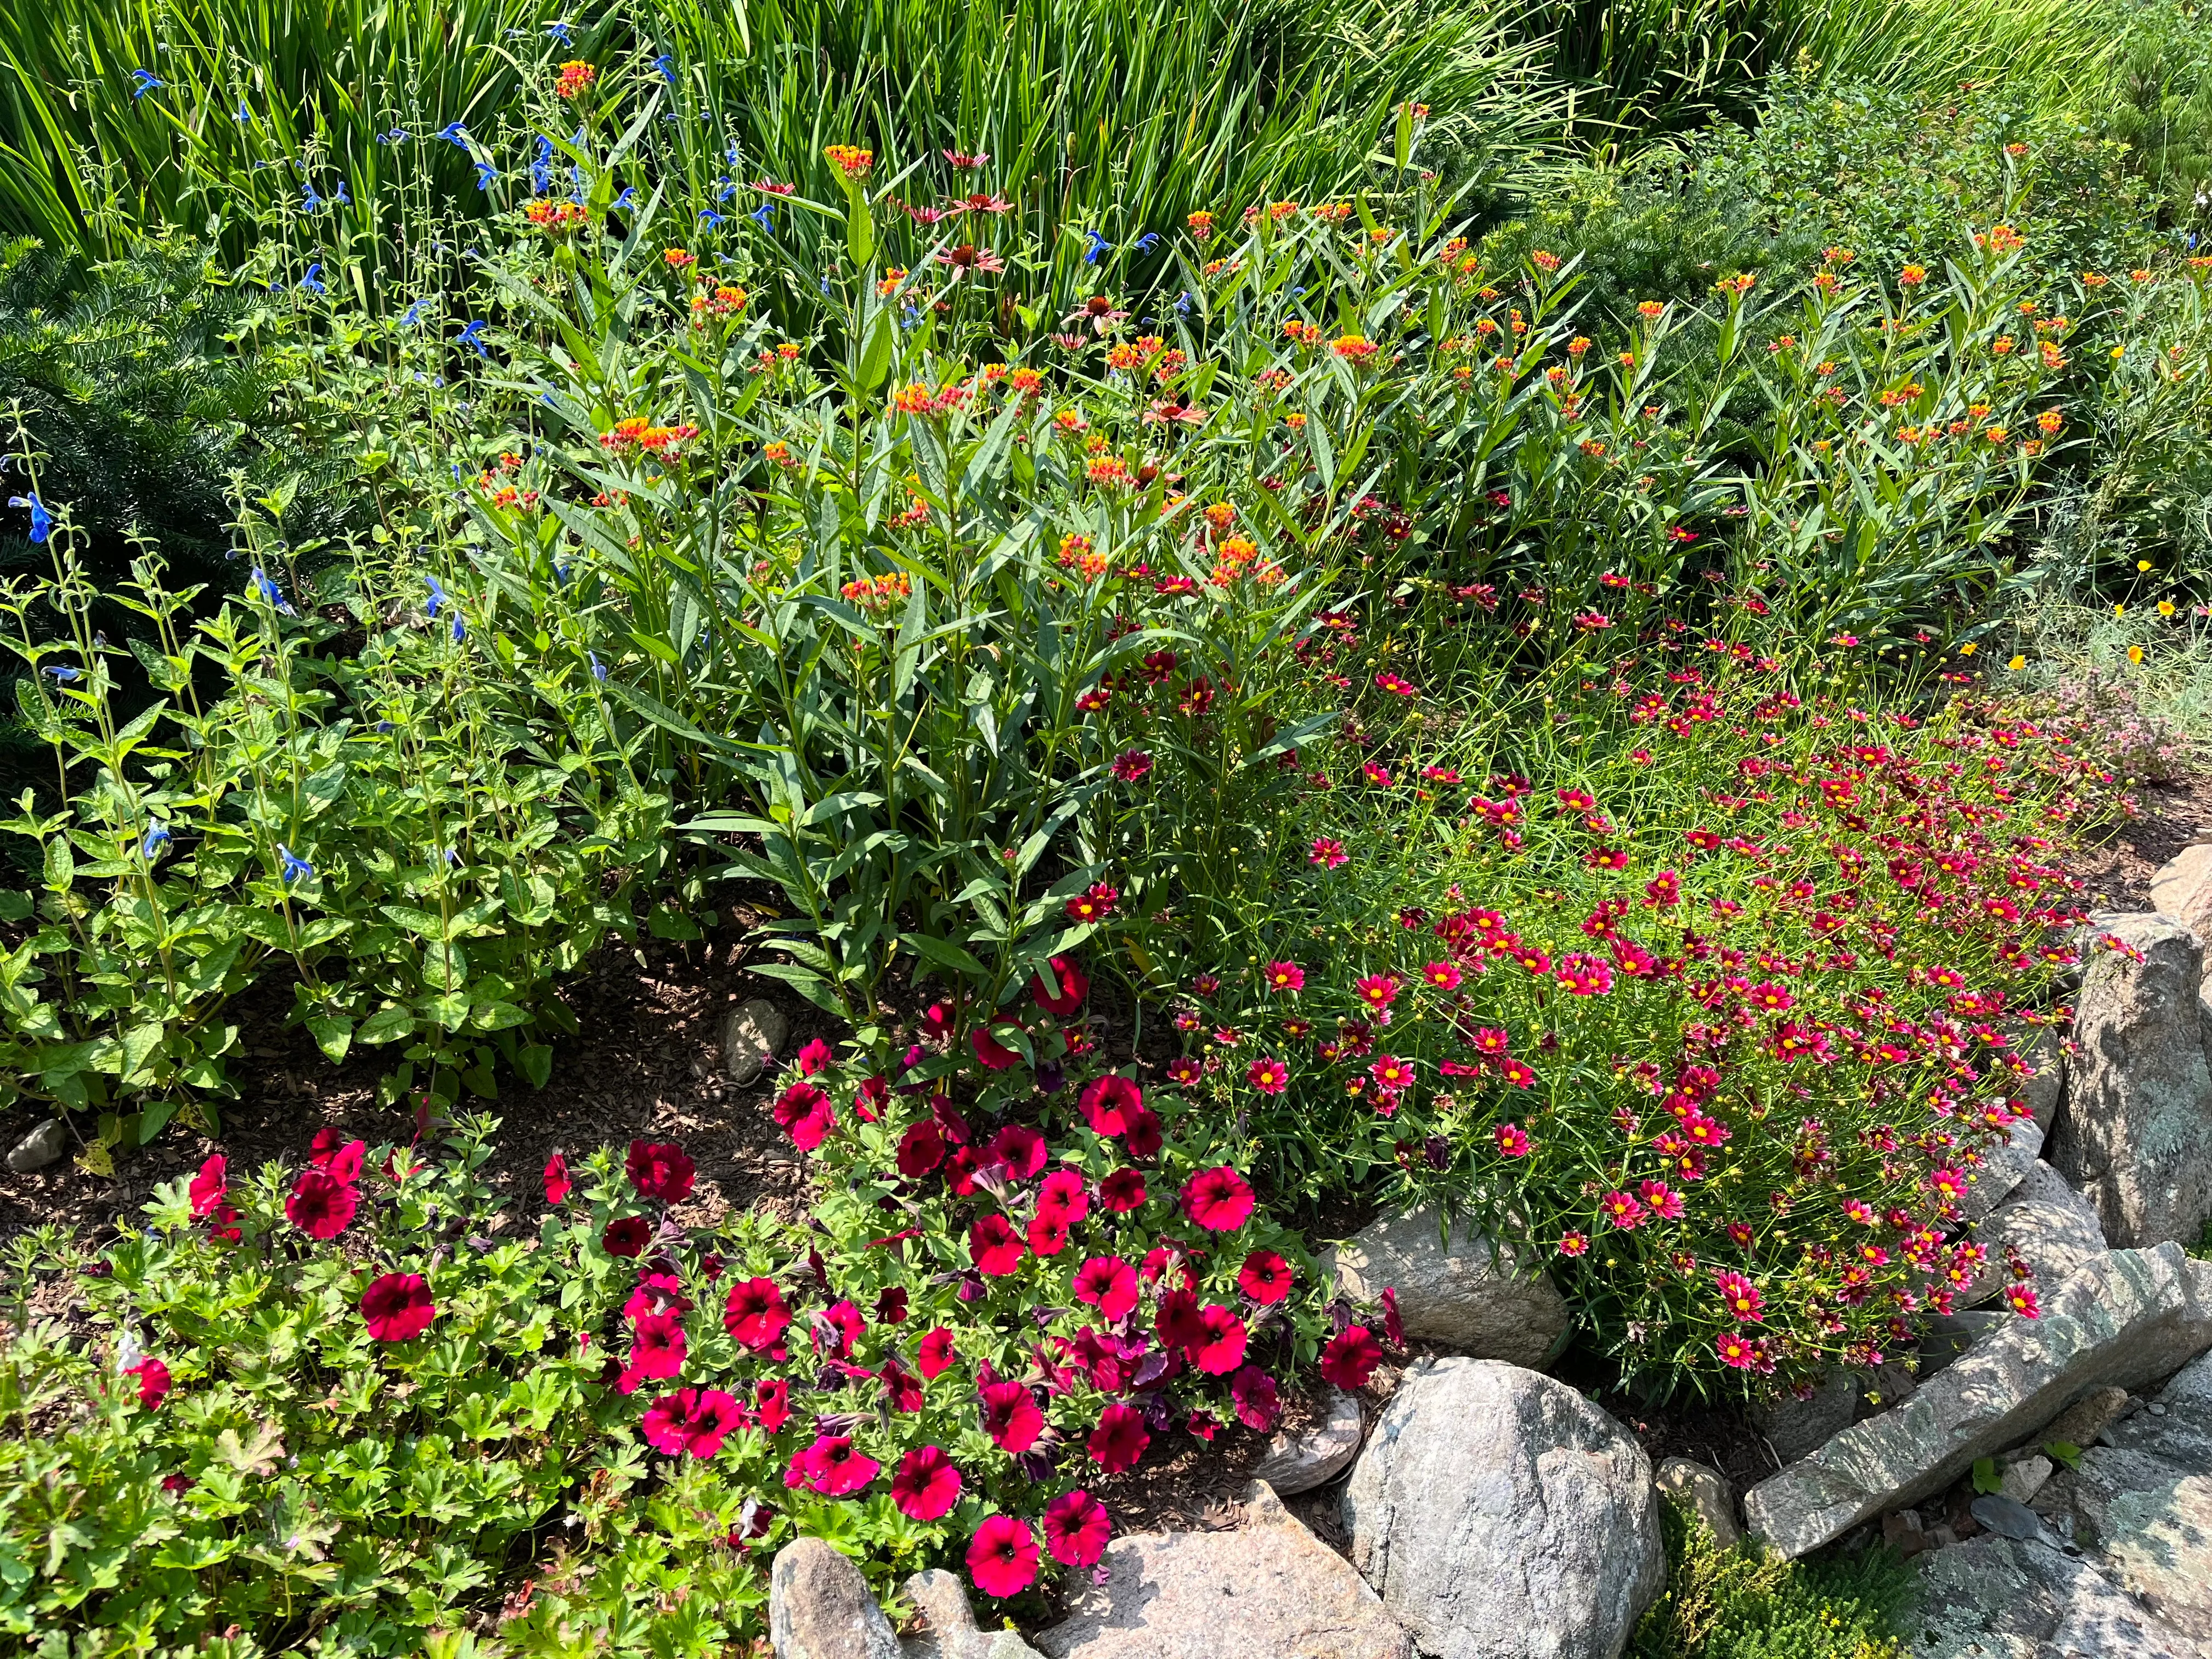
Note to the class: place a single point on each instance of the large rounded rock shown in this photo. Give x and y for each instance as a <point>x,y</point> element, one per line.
<point>948,1628</point>
<point>2183,890</point>
<point>1318,1454</point>
<point>1462,1292</point>
<point>1502,1516</point>
<point>2136,1133</point>
<point>2047,1222</point>
<point>819,1607</point>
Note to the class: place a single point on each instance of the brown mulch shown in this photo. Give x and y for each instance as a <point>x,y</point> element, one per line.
<point>2116,871</point>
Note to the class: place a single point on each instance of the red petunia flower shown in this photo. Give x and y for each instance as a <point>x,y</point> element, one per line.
<point>557,1184</point>
<point>397,1308</point>
<point>340,1161</point>
<point>152,1382</point>
<point>1108,1283</point>
<point>1350,1357</point>
<point>1122,1191</point>
<point>660,1169</point>
<point>1002,1556</point>
<point>756,1315</point>
<point>936,1353</point>
<point>1266,1278</point>
<point>1142,1134</point>
<point>802,1111</point>
<point>920,1149</point>
<point>627,1236</point>
<point>1217,1199</point>
<point>208,1187</point>
<point>1018,1149</point>
<point>831,1466</point>
<point>1119,1439</point>
<point>816,1057</point>
<point>995,1246</point>
<point>772,1404</point>
<point>1065,992</point>
<point>1107,1104</point>
<point>925,1485</point>
<point>1258,1402</point>
<point>321,1206</point>
<point>1075,1529</point>
<point>1011,1416</point>
<point>1223,1350</point>
<point>992,1054</point>
<point>656,1349</point>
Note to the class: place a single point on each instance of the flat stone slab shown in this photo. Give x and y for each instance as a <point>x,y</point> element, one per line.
<point>1466,1292</point>
<point>1269,1589</point>
<point>2121,1319</point>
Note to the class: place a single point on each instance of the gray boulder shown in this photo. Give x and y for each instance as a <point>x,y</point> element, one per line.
<point>1316,1455</point>
<point>1466,1292</point>
<point>2049,1223</point>
<point>1269,1589</point>
<point>2183,890</point>
<point>2136,1133</point>
<point>819,1607</point>
<point>2041,1093</point>
<point>751,1034</point>
<point>45,1145</point>
<point>948,1624</point>
<point>1503,1515</point>
<point>2124,1318</point>
<point>2004,1166</point>
<point>1994,1597</point>
<point>1795,1427</point>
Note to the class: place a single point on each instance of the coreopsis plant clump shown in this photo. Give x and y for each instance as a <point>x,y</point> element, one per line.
<point>361,1401</point>
<point>1711,996</point>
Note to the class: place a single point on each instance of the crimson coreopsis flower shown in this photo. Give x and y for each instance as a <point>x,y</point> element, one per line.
<point>1350,1357</point>
<point>1132,764</point>
<point>1622,1210</point>
<point>756,1315</point>
<point>1018,1149</point>
<point>1219,1199</point>
<point>925,1485</point>
<point>1122,1191</point>
<point>1266,1278</point>
<point>772,1403</point>
<point>627,1236</point>
<point>1744,1353</point>
<point>1108,1101</point>
<point>208,1187</point>
<point>1075,1529</point>
<point>660,1169</point>
<point>936,1354</point>
<point>557,1184</point>
<point>152,1382</point>
<point>1377,991</point>
<point>1011,1416</point>
<point>1223,1350</point>
<point>995,1246</point>
<point>1512,1139</point>
<point>1095,903</point>
<point>1002,1556</point>
<point>1258,1402</point>
<point>397,1308</point>
<point>804,1112</point>
<point>1119,1439</point>
<point>1064,992</point>
<point>1327,853</point>
<point>992,1054</point>
<point>1741,1298</point>
<point>2021,1299</point>
<point>1285,976</point>
<point>1108,1283</point>
<point>1269,1076</point>
<point>321,1206</point>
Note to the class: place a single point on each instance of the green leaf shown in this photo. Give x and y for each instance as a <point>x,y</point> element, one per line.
<point>387,1024</point>
<point>535,1061</point>
<point>1987,1479</point>
<point>945,954</point>
<point>333,1034</point>
<point>809,984</point>
<point>2065,1452</point>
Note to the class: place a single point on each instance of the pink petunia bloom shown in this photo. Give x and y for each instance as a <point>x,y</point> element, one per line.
<point>936,1353</point>
<point>1219,1199</point>
<point>1002,1556</point>
<point>756,1315</point>
<point>152,1382</point>
<point>1223,1350</point>
<point>627,1236</point>
<point>1108,1283</point>
<point>1064,992</point>
<point>1107,1104</point>
<point>832,1468</point>
<point>557,1184</point>
<point>802,1111</point>
<point>1119,1439</point>
<point>208,1187</point>
<point>319,1206</point>
<point>1011,1416</point>
<point>1122,1191</point>
<point>925,1485</point>
<point>1075,1529</point>
<point>1258,1402</point>
<point>772,1403</point>
<point>1018,1149</point>
<point>656,1348</point>
<point>992,1054</point>
<point>1266,1278</point>
<point>660,1169</point>
<point>397,1308</point>
<point>816,1057</point>
<point>995,1246</point>
<point>1350,1357</point>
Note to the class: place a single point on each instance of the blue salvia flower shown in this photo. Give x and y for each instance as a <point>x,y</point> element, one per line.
<point>268,590</point>
<point>397,136</point>
<point>339,197</point>
<point>541,168</point>
<point>472,335</point>
<point>142,81</point>
<point>65,674</point>
<point>414,314</point>
<point>1099,249</point>
<point>454,134</point>
<point>598,668</point>
<point>666,65</point>
<point>157,837</point>
<point>558,28</point>
<point>296,869</point>
<point>1182,303</point>
<point>763,216</point>
<point>387,726</point>
<point>1147,242</point>
<point>309,202</point>
<point>438,597</point>
<point>561,572</point>
<point>709,218</point>
<point>312,282</point>
<point>42,522</point>
<point>485,173</point>
<point>244,114</point>
<point>627,199</point>
<point>460,629</point>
